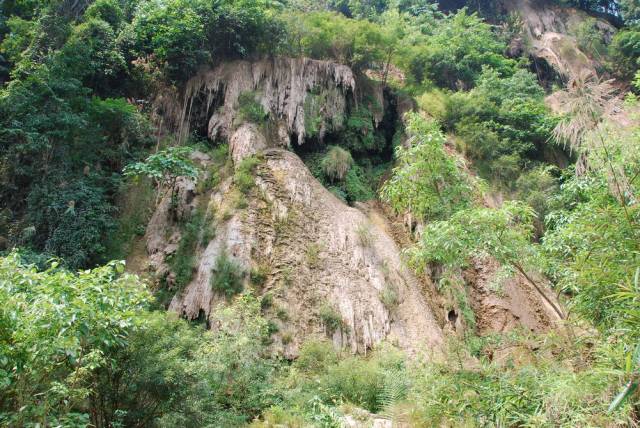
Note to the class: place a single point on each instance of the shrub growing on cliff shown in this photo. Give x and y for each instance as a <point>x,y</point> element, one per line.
<point>243,176</point>
<point>330,317</point>
<point>250,110</point>
<point>227,276</point>
<point>427,180</point>
<point>164,168</point>
<point>332,36</point>
<point>183,261</point>
<point>336,163</point>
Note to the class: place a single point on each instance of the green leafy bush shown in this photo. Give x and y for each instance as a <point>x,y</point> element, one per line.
<point>65,154</point>
<point>259,274</point>
<point>91,55</point>
<point>331,318</point>
<point>182,35</point>
<point>520,396</point>
<point>502,123</point>
<point>456,52</point>
<point>243,176</point>
<point>329,35</point>
<point>57,328</point>
<point>374,383</point>
<point>227,276</point>
<point>109,11</point>
<point>427,180</point>
<point>250,110</point>
<point>165,167</point>
<point>315,356</point>
<point>189,376</point>
<point>71,221</point>
<point>625,52</point>
<point>360,135</point>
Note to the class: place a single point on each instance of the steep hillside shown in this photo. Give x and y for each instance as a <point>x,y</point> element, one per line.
<point>553,32</point>
<point>333,213</point>
<point>314,252</point>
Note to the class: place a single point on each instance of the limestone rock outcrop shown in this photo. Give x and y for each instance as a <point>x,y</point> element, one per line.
<point>293,91</point>
<point>549,30</point>
<point>325,268</point>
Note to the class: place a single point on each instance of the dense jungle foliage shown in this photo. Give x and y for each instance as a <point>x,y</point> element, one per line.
<point>83,343</point>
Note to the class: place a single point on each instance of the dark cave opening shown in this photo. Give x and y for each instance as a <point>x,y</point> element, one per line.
<point>199,112</point>
<point>547,75</point>
<point>452,316</point>
<point>371,148</point>
<point>386,130</point>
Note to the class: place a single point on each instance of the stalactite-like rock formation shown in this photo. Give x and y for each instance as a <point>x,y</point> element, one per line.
<point>290,90</point>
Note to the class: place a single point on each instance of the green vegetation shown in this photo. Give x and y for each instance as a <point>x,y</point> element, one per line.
<point>503,123</point>
<point>164,168</point>
<point>336,163</point>
<point>243,176</point>
<point>259,274</point>
<point>227,276</point>
<point>456,51</point>
<point>486,172</point>
<point>312,254</point>
<point>222,378</point>
<point>330,318</point>
<point>183,261</point>
<point>249,110</point>
<point>389,297</point>
<point>78,349</point>
<point>58,329</point>
<point>426,180</point>
<point>337,171</point>
<point>329,35</point>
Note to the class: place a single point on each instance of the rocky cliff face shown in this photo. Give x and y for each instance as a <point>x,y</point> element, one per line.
<point>328,269</point>
<point>549,32</point>
<point>294,91</point>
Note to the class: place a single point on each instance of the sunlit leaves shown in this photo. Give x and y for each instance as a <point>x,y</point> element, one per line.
<point>427,180</point>
<point>56,328</point>
<point>502,233</point>
<point>165,166</point>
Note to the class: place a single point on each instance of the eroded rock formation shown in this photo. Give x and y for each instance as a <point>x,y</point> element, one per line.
<point>549,30</point>
<point>329,269</point>
<point>293,91</point>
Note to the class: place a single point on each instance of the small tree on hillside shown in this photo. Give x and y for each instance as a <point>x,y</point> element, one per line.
<point>164,168</point>
<point>504,234</point>
<point>427,180</point>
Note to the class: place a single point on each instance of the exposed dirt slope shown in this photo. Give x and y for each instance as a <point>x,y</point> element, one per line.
<point>548,32</point>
